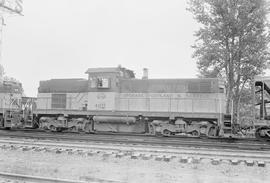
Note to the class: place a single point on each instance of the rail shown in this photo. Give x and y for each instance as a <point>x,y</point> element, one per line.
<point>30,178</point>
<point>233,144</point>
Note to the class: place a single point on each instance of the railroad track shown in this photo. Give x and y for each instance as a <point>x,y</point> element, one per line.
<point>105,146</point>
<point>144,152</point>
<point>8,177</point>
<point>123,148</point>
<point>235,144</point>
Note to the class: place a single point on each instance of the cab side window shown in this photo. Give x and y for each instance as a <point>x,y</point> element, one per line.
<point>100,82</point>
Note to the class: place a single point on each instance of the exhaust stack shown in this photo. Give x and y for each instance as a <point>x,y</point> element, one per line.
<point>145,73</point>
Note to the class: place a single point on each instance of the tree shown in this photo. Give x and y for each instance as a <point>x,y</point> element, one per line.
<point>127,72</point>
<point>231,42</point>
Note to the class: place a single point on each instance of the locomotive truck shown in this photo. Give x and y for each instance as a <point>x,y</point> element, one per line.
<point>113,100</point>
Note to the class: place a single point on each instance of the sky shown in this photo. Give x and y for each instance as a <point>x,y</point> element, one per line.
<point>63,38</point>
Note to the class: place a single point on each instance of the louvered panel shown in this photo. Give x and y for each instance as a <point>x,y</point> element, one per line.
<point>205,86</point>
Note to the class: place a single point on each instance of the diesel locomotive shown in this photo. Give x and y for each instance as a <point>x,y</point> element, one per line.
<point>14,106</point>
<point>113,100</point>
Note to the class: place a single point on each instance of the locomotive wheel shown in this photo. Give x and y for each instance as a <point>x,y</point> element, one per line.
<point>45,128</point>
<point>73,129</point>
<point>58,129</point>
<point>203,130</point>
<point>166,133</point>
<point>52,128</point>
<point>158,134</point>
<point>258,133</point>
<point>195,133</point>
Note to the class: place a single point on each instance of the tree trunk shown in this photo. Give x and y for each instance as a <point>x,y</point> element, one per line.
<point>235,112</point>
<point>229,101</point>
<point>230,88</point>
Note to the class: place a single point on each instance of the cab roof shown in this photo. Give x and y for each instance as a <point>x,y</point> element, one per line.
<point>102,70</point>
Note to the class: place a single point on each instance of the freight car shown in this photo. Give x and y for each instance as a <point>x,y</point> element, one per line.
<point>112,100</point>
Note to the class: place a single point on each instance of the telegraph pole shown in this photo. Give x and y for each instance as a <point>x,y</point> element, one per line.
<point>13,7</point>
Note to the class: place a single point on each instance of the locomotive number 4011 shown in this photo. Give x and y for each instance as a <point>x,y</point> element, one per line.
<point>100,106</point>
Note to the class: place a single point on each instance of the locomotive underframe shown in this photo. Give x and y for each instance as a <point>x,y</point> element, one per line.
<point>171,115</point>
<point>155,123</point>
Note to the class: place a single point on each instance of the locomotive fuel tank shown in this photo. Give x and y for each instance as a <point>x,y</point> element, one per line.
<point>118,124</point>
<point>114,119</point>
